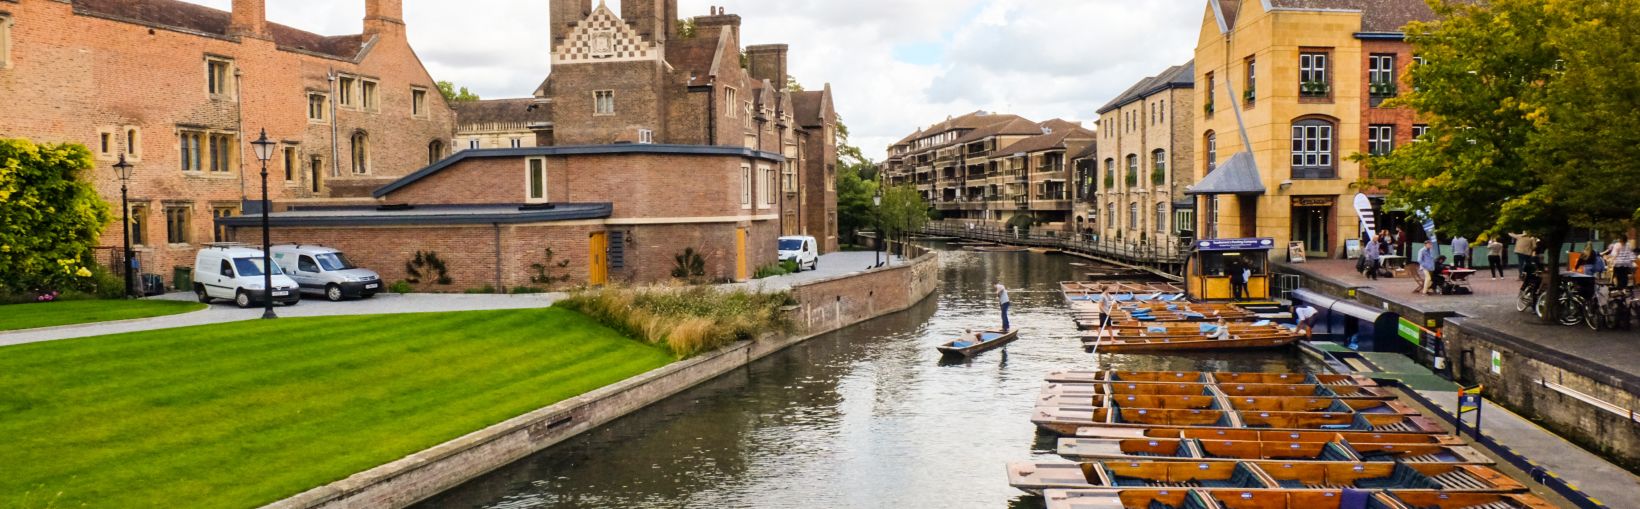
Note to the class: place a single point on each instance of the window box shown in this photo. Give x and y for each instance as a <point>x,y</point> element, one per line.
<point>1158,175</point>
<point>1382,89</point>
<point>1209,108</point>
<point>1314,89</point>
<point>1249,96</point>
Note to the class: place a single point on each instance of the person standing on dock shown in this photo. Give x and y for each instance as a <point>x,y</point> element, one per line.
<point>1426,269</point>
<point>1374,257</point>
<point>1238,282</point>
<point>1460,252</point>
<point>1002,297</point>
<point>1495,257</point>
<point>1622,262</point>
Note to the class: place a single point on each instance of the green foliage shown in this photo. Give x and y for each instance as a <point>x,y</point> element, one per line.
<point>686,29</point>
<point>260,410</point>
<point>689,320</point>
<point>854,209</point>
<point>1110,179</point>
<point>482,290</point>
<point>451,94</point>
<point>689,265</point>
<point>427,266</point>
<point>792,85</point>
<point>526,290</point>
<point>903,211</point>
<point>779,269</point>
<point>1132,178</point>
<point>1158,175</point>
<point>401,287</point>
<point>74,312</point>
<point>544,271</point>
<point>50,217</point>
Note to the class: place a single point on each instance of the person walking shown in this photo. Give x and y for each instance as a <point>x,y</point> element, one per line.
<point>1374,257</point>
<point>1238,283</point>
<point>1002,297</point>
<point>1494,257</point>
<point>1622,262</point>
<point>1526,250</point>
<point>1401,246</point>
<point>1594,264</point>
<point>1426,268</point>
<point>1460,252</point>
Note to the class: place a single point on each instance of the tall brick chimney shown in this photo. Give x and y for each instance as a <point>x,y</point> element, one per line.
<point>565,14</point>
<point>654,20</point>
<point>712,25</point>
<point>384,17</point>
<point>768,62</point>
<point>249,19</point>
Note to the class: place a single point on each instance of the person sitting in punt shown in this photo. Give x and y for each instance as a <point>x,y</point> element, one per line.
<point>1220,332</point>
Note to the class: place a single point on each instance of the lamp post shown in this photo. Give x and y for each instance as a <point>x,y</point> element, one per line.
<point>264,151</point>
<point>877,203</point>
<point>124,169</point>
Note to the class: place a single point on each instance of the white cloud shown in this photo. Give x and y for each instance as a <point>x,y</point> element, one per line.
<point>1037,58</point>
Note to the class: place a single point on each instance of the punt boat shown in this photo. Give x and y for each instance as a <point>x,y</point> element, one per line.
<point>1255,404</point>
<point>1164,344</point>
<point>1190,449</point>
<point>1205,377</point>
<point>1065,421</point>
<point>1231,391</point>
<point>969,347</point>
<point>1254,435</point>
<point>1034,477</point>
<point>1171,498</point>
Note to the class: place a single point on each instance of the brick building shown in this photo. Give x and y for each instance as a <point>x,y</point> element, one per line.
<point>502,123</point>
<point>992,169</point>
<point>180,90</point>
<point>1308,79</point>
<point>1145,151</point>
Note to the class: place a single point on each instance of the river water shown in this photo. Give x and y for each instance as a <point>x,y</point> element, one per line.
<point>864,417</point>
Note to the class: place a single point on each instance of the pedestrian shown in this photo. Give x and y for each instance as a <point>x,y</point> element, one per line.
<point>1426,267</point>
<point>1403,248</point>
<point>1594,264</point>
<point>1238,282</point>
<point>1526,247</point>
<point>1494,257</point>
<point>1002,297</point>
<point>1622,254</point>
<point>1460,252</point>
<point>1305,322</point>
<point>1374,257</point>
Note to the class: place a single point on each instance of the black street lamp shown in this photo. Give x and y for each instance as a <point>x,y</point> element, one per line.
<point>264,151</point>
<point>124,169</point>
<point>877,203</point>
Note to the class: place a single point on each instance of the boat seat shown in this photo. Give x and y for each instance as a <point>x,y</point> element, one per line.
<point>1242,477</point>
<point>1338,451</point>
<point>1402,478</point>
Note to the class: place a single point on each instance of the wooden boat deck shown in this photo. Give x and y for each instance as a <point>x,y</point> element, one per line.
<point>969,347</point>
<point>1033,477</point>
<point>1202,377</point>
<point>1173,498</point>
<point>1188,449</point>
<point>1066,420</point>
<point>1254,435</point>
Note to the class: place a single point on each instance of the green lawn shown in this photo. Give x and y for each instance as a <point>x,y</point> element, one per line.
<point>52,314</point>
<point>239,415</point>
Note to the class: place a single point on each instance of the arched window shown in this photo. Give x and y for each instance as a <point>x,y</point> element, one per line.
<point>435,151</point>
<point>1313,149</point>
<point>361,153</point>
<point>1133,215</point>
<point>1158,167</point>
<point>1132,170</point>
<point>1161,217</point>
<point>1110,174</point>
<point>1211,141</point>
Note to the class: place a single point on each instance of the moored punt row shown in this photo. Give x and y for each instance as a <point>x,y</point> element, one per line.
<point>1071,288</point>
<point>1066,420</point>
<point>1190,449</point>
<point>1206,377</point>
<point>1302,499</point>
<point>1163,344</point>
<point>1256,435</point>
<point>1246,404</point>
<point>1229,391</point>
<point>1034,477</point>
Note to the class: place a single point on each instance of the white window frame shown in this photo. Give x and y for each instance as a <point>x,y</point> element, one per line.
<point>745,186</point>
<point>1418,132</point>
<point>1381,69</point>
<point>599,99</point>
<point>1312,146</point>
<point>474,144</point>
<point>1161,218</point>
<point>769,184</point>
<point>1133,216</point>
<point>516,142</point>
<point>1380,139</point>
<point>1212,143</point>
<point>646,136</point>
<point>534,166</point>
<point>729,105</point>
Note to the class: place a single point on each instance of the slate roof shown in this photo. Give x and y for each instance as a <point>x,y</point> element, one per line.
<point>187,17</point>
<point>1086,152</point>
<point>806,107</point>
<point>1238,175</point>
<point>427,215</point>
<point>1378,16</point>
<point>1178,76</point>
<point>1042,142</point>
<point>516,112</point>
<point>1013,127</point>
<point>571,150</point>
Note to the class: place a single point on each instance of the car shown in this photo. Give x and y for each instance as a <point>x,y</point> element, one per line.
<point>234,272</point>
<point>803,250</point>
<point>326,271</point>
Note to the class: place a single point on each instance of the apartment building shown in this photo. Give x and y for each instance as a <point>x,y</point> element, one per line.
<point>993,169</point>
<point>1308,80</point>
<point>1145,151</point>
<point>180,90</point>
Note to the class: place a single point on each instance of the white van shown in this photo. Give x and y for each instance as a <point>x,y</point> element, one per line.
<point>803,250</point>
<point>234,272</point>
<point>322,270</point>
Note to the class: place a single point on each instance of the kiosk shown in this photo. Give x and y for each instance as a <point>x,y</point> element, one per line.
<point>1213,262</point>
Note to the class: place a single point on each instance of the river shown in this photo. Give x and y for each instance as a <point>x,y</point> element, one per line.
<point>864,417</point>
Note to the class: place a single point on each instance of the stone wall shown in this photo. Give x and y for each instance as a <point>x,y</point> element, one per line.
<point>851,299</point>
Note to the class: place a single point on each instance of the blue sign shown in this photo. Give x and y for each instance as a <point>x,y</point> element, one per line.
<point>1235,244</point>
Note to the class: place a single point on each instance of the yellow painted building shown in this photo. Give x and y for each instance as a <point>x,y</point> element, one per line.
<point>1306,78</point>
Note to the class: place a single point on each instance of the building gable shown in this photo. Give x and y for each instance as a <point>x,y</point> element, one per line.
<point>604,37</point>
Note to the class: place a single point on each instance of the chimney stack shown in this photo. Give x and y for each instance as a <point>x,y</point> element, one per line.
<point>249,19</point>
<point>768,62</point>
<point>384,17</point>
<point>651,19</point>
<point>719,21</point>
<point>565,14</point>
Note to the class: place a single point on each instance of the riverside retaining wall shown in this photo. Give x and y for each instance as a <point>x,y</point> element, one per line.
<point>823,306</point>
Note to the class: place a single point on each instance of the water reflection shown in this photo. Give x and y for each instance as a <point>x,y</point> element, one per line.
<point>866,417</point>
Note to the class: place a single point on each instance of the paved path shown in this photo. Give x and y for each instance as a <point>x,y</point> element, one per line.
<point>831,265</point>
<point>223,312</point>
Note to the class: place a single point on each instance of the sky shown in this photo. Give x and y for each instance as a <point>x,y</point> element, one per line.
<point>894,65</point>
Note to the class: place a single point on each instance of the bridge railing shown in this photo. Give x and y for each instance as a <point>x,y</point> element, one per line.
<point>1170,253</point>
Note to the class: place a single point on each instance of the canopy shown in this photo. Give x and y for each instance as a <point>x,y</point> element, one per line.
<point>1238,175</point>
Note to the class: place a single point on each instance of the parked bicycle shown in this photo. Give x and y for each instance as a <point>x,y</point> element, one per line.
<point>1613,309</point>
<point>1570,304</point>
<point>1530,288</point>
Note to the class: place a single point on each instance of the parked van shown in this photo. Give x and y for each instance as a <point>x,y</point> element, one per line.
<point>322,270</point>
<point>803,250</point>
<point>234,272</point>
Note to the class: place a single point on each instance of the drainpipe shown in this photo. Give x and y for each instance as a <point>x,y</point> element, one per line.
<point>711,114</point>
<point>335,128</point>
<point>239,109</point>
<point>498,285</point>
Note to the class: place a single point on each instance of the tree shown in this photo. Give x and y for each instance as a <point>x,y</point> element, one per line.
<point>50,217</point>
<point>854,209</point>
<point>450,93</point>
<point>1525,100</point>
<point>903,211</point>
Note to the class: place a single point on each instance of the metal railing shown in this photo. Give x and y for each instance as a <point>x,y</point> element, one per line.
<point>1169,257</point>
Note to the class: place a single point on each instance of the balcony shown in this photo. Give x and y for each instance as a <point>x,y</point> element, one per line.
<point>1050,205</point>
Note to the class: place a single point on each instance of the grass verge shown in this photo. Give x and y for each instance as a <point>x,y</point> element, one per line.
<point>243,414</point>
<point>686,320</point>
<point>73,312</point>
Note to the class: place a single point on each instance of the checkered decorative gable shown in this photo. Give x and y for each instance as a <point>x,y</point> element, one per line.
<point>603,37</point>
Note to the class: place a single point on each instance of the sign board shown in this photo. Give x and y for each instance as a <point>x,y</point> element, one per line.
<point>1295,252</point>
<point>1497,363</point>
<point>1235,244</point>
<point>1352,248</point>
<point>1314,201</point>
<point>1410,332</point>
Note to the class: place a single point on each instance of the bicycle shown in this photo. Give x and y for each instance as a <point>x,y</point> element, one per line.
<point>1530,289</point>
<point>1569,302</point>
<point>1615,309</point>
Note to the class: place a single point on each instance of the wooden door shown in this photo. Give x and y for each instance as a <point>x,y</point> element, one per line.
<point>598,257</point>
<point>741,274</point>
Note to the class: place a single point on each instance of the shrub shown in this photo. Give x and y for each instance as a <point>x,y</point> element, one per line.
<point>482,290</point>
<point>427,266</point>
<point>401,287</point>
<point>689,265</point>
<point>778,269</point>
<point>687,320</point>
<point>526,290</point>
<point>544,271</point>
<point>50,217</point>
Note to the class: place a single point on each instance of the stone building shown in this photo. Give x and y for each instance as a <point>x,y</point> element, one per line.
<point>180,90</point>
<point>502,123</point>
<point>1145,151</point>
<point>1308,79</point>
<point>992,169</point>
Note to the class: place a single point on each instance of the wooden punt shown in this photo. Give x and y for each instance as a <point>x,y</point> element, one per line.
<point>1256,435</point>
<point>1065,421</point>
<point>1234,342</point>
<point>1189,449</point>
<point>963,348</point>
<point>1089,390</point>
<point>1177,377</point>
<point>1256,404</point>
<point>1034,477</point>
<point>1174,498</point>
<point>1338,391</point>
<point>1118,287</point>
